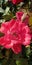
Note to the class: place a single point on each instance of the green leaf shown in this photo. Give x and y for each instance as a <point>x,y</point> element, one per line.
<point>30,21</point>
<point>20,5</point>
<point>5,1</point>
<point>2,20</point>
<point>1,56</point>
<point>6,11</point>
<point>28,51</point>
<point>1,2</point>
<point>1,10</point>
<point>22,61</point>
<point>8,17</point>
<point>17,56</point>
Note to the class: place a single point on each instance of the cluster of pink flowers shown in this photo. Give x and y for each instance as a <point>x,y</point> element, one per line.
<point>16,33</point>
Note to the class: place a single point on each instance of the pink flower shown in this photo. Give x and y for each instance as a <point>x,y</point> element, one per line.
<point>22,17</point>
<point>17,1</point>
<point>9,42</point>
<point>5,27</point>
<point>17,48</point>
<point>31,34</point>
<point>16,35</point>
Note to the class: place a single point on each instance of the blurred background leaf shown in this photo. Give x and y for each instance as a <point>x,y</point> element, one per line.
<point>30,21</point>
<point>22,61</point>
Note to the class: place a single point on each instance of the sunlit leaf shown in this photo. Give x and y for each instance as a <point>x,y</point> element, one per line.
<point>1,10</point>
<point>30,21</point>
<point>22,61</point>
<point>28,51</point>
<point>2,20</point>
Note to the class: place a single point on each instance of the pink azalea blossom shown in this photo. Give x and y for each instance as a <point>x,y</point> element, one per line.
<point>16,35</point>
<point>22,15</point>
<point>16,1</point>
<point>31,34</point>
